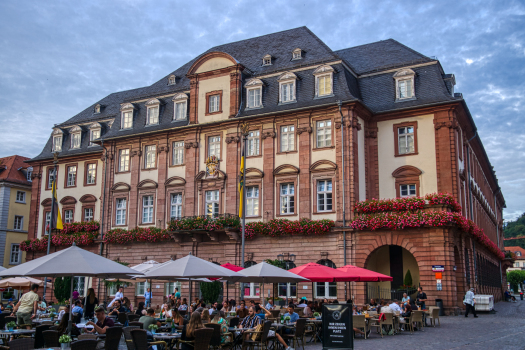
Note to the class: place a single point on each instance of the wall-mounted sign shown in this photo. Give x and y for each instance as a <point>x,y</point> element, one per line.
<point>438,268</point>
<point>439,275</point>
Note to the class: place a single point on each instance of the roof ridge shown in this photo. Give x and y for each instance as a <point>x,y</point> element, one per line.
<point>255,37</point>
<point>375,42</point>
<point>410,49</point>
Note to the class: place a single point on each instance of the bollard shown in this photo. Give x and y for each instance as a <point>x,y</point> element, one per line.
<point>521,295</point>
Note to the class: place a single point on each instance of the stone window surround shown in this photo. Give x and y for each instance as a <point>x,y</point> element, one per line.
<point>20,252</point>
<point>203,197</point>
<point>152,103</point>
<point>171,142</point>
<point>169,192</point>
<point>254,84</point>
<point>75,131</point>
<point>278,126</point>
<point>208,95</point>
<point>294,90</point>
<point>68,207</point>
<point>143,160</point>
<point>284,179</point>
<point>256,128</point>
<point>407,175</point>
<point>406,74</point>
<point>180,98</point>
<point>324,175</point>
<point>142,193</point>
<point>324,70</point>
<point>117,165</point>
<point>314,123</point>
<point>21,223</point>
<point>396,138</point>
<point>207,144</point>
<point>124,194</point>
<point>256,181</point>
<point>22,201</point>
<point>86,173</point>
<point>88,206</point>
<point>124,108</point>
<point>67,175</point>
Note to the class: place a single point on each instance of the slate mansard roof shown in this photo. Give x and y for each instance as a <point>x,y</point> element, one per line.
<point>364,73</point>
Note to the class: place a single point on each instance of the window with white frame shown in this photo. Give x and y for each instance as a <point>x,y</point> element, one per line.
<point>252,200</point>
<point>112,289</point>
<point>47,222</point>
<point>287,290</point>
<point>180,110</point>
<point>176,206</point>
<point>94,135</point>
<point>324,133</point>
<point>324,195</point>
<point>405,139</point>
<point>287,138</point>
<point>16,255</point>
<point>153,115</point>
<point>297,54</point>
<point>71,176</point>
<point>150,156</point>
<point>214,146</point>
<point>267,60</point>
<point>326,290</point>
<point>88,214</point>
<point>178,152</point>
<point>254,97</point>
<point>20,197</point>
<point>127,118</point>
<point>75,140</point>
<point>171,80</point>
<point>79,284</point>
<point>404,88</point>
<point>288,91</point>
<point>407,190</point>
<point>141,288</point>
<point>120,214</point>
<point>251,289</point>
<point>97,109</point>
<point>91,173</point>
<point>19,223</point>
<point>253,143</point>
<point>287,198</point>
<point>57,143</point>
<point>147,209</point>
<point>123,160</point>
<point>214,103</point>
<point>68,216</point>
<point>51,178</point>
<point>405,84</point>
<point>169,287</point>
<point>324,85</point>
<point>29,173</point>
<point>212,203</point>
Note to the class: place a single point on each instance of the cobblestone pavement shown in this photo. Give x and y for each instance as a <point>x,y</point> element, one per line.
<point>503,330</point>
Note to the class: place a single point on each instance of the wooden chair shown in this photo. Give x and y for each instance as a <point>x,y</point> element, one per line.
<point>388,321</point>
<point>434,315</point>
<point>298,310</point>
<point>215,341</point>
<point>20,344</point>
<point>137,324</point>
<point>113,336</point>
<point>127,336</point>
<point>359,321</point>
<point>276,313</point>
<point>140,340</point>
<point>300,326</point>
<point>51,339</point>
<point>133,317</point>
<point>86,344</point>
<point>202,339</point>
<point>122,318</point>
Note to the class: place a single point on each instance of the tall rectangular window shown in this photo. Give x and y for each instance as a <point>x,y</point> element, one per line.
<point>120,214</point>
<point>153,115</point>
<point>176,206</point>
<point>324,133</point>
<point>150,156</point>
<point>75,140</point>
<point>405,88</point>
<point>57,143</point>
<point>20,196</point>
<point>287,198</point>
<point>407,190</point>
<point>127,120</point>
<point>88,214</point>
<point>324,85</point>
<point>51,177</point>
<point>324,195</point>
<point>214,102</point>
<point>253,143</point>
<point>252,200</point>
<point>91,173</point>
<point>123,160</point>
<point>68,216</point>
<point>47,222</point>
<point>147,209</point>
<point>19,223</point>
<point>16,255</point>
<point>178,152</point>
<point>71,176</point>
<point>214,146</point>
<point>254,98</point>
<point>180,110</point>
<point>287,138</point>
<point>405,139</point>
<point>287,92</point>
<point>212,203</point>
<point>94,135</point>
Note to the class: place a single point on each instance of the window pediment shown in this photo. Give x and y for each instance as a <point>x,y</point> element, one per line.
<point>323,165</point>
<point>254,83</point>
<point>153,102</point>
<point>406,171</point>
<point>88,198</point>
<point>180,97</point>
<point>145,184</point>
<point>68,200</point>
<point>254,173</point>
<point>287,76</point>
<point>126,106</point>
<point>175,181</point>
<point>57,132</point>
<point>404,73</point>
<point>95,125</point>
<point>286,169</point>
<point>120,186</point>
<point>323,70</point>
<point>75,129</point>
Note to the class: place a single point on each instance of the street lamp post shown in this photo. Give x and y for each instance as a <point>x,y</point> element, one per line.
<point>53,203</point>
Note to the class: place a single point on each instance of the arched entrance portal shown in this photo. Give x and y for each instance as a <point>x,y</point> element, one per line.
<point>400,264</point>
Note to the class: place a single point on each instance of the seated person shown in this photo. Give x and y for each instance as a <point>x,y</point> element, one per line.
<point>62,326</point>
<point>103,322</point>
<point>269,305</point>
<point>293,315</point>
<point>77,309</point>
<point>262,312</point>
<point>303,303</point>
<point>188,330</point>
<point>394,306</point>
<point>373,303</point>
<point>117,308</point>
<point>149,319</point>
<point>251,321</point>
<point>406,299</point>
<point>307,311</point>
<point>242,311</point>
<point>62,312</point>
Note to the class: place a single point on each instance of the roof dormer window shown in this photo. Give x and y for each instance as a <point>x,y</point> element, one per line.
<point>126,110</point>
<point>324,81</point>
<point>267,60</point>
<point>405,85</point>
<point>97,108</point>
<point>57,140</point>
<point>76,137</point>
<point>172,80</point>
<point>94,133</point>
<point>287,87</point>
<point>297,54</point>
<point>180,106</point>
<point>153,107</point>
<point>254,93</point>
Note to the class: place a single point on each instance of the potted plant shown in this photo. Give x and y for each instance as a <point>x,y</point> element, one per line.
<point>11,325</point>
<point>287,319</point>
<point>52,315</point>
<point>168,321</point>
<point>65,341</point>
<point>152,328</point>
<point>317,315</point>
<point>233,313</point>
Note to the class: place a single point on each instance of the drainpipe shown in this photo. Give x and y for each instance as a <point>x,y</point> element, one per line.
<point>470,204</point>
<point>497,231</point>
<point>340,104</point>
<point>103,207</point>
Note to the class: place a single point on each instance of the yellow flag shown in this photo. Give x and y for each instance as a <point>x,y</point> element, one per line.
<point>241,182</point>
<point>57,219</point>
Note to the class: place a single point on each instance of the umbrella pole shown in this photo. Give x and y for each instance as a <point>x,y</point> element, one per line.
<point>189,280</point>
<point>312,291</point>
<point>70,322</point>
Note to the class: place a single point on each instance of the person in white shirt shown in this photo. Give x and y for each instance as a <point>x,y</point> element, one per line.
<point>303,302</point>
<point>118,296</point>
<point>213,308</point>
<point>470,302</point>
<point>269,305</point>
<point>395,307</point>
<point>62,312</point>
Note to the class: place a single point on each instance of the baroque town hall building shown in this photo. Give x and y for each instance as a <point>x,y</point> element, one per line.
<point>406,133</point>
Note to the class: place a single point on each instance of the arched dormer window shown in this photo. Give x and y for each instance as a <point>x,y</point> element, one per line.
<point>518,253</point>
<point>126,110</point>
<point>97,108</point>
<point>57,140</point>
<point>254,93</point>
<point>153,107</point>
<point>172,80</point>
<point>95,130</point>
<point>405,85</point>
<point>324,81</point>
<point>287,87</point>
<point>297,54</point>
<point>76,137</point>
<point>267,60</point>
<point>180,106</point>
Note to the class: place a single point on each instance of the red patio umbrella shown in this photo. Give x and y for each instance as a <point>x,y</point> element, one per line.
<point>358,274</point>
<point>232,267</point>
<point>318,273</point>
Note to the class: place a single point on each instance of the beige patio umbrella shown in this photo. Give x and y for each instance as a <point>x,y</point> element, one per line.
<point>21,282</point>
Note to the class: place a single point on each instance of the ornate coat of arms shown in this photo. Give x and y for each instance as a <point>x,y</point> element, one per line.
<point>212,166</point>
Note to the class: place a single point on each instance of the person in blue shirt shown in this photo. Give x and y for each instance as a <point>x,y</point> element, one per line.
<point>294,316</point>
<point>147,297</point>
<point>78,308</point>
<point>261,312</point>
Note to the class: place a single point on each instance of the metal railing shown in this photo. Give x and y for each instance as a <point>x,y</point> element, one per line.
<point>377,293</point>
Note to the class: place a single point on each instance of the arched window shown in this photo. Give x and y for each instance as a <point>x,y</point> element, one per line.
<point>251,290</point>
<point>288,290</point>
<point>326,290</point>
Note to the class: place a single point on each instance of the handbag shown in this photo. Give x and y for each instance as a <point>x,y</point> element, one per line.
<point>257,336</point>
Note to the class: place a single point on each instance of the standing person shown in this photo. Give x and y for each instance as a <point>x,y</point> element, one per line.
<point>75,295</point>
<point>177,293</point>
<point>147,297</point>
<point>118,296</point>
<point>91,302</point>
<point>421,298</point>
<point>26,307</point>
<point>470,302</point>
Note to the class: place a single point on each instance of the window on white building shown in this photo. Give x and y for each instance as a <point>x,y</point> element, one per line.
<point>120,215</point>
<point>214,146</point>
<point>88,214</point>
<point>19,223</point>
<point>150,156</point>
<point>324,195</point>
<point>178,152</point>
<point>16,255</point>
<point>324,133</point>
<point>212,203</point>
<point>147,209</point>
<point>407,190</point>
<point>68,216</point>
<point>91,174</point>
<point>71,176</point>
<point>287,138</point>
<point>287,198</point>
<point>176,206</point>
<point>253,143</point>
<point>123,160</point>
<point>252,200</point>
<point>214,103</point>
<point>405,139</point>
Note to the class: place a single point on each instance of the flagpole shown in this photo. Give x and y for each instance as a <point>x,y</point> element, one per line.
<point>53,203</point>
<point>244,129</point>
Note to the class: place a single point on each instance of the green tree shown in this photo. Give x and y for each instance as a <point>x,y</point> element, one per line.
<point>515,278</point>
<point>210,291</point>
<point>408,279</point>
<point>62,288</point>
<point>276,262</point>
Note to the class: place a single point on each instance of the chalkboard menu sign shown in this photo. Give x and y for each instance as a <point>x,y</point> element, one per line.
<point>337,326</point>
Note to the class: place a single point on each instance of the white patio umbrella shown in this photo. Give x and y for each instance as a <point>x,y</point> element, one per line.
<point>73,261</point>
<point>267,273</point>
<point>190,267</point>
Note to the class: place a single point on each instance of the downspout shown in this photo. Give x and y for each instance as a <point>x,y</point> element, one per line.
<point>470,204</point>
<point>103,208</point>
<point>340,104</point>
<point>497,232</point>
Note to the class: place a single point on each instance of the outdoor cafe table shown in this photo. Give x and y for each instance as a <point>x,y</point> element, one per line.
<point>169,338</point>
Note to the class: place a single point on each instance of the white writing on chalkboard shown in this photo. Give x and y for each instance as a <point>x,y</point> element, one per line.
<point>336,327</point>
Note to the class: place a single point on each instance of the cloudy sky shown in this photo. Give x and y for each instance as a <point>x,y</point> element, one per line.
<point>58,57</point>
